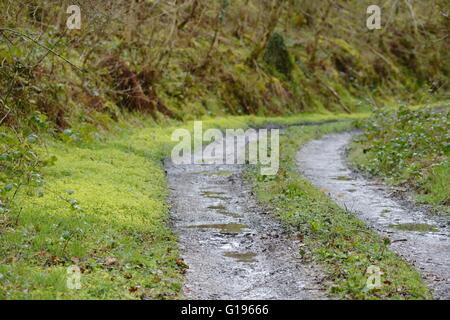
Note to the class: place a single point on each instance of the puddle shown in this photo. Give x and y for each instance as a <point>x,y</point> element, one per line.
<point>343,178</point>
<point>215,173</point>
<point>223,210</point>
<point>416,227</point>
<point>229,214</point>
<point>246,257</point>
<point>218,208</point>
<point>224,228</point>
<point>214,195</point>
<point>385,213</point>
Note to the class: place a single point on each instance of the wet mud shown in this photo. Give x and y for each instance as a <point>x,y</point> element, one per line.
<point>234,248</point>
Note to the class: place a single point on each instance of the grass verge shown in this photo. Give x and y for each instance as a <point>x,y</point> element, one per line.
<point>102,209</point>
<point>338,239</point>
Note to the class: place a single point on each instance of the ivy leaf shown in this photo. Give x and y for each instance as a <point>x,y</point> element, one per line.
<point>65,235</point>
<point>32,138</point>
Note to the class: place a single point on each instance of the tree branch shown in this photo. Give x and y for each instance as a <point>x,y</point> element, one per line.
<point>41,45</point>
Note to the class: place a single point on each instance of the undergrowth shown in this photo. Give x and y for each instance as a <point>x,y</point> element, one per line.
<point>409,148</point>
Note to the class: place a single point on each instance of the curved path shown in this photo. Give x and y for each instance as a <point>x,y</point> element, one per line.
<point>323,162</point>
<point>233,248</point>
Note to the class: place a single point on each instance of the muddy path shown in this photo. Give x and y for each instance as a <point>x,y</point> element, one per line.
<point>233,247</point>
<point>422,240</point>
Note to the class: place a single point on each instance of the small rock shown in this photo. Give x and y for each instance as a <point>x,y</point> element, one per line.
<point>110,261</point>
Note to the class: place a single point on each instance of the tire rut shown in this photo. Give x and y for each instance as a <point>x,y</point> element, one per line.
<point>324,163</point>
<point>234,248</point>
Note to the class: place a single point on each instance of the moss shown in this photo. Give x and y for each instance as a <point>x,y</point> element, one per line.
<point>277,55</point>
<point>120,215</point>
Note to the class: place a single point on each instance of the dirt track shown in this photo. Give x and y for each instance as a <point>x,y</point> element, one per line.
<point>233,248</point>
<point>323,162</point>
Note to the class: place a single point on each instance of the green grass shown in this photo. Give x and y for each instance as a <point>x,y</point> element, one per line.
<point>103,208</point>
<point>344,245</point>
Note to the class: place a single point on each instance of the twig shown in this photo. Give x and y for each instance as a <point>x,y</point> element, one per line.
<point>440,39</point>
<point>41,45</point>
<point>346,109</point>
<point>7,113</point>
<point>190,16</point>
<point>413,15</point>
<point>321,28</point>
<point>16,223</point>
<point>46,54</point>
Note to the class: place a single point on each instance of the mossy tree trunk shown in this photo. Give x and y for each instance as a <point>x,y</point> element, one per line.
<point>277,56</point>
<point>320,29</point>
<point>273,21</point>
